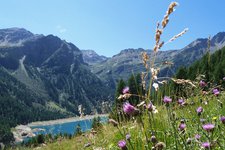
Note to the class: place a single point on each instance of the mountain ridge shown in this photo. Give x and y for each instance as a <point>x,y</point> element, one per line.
<point>52,69</point>
<point>129,61</point>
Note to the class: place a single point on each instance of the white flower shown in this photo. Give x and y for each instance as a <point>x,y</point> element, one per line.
<point>156,86</point>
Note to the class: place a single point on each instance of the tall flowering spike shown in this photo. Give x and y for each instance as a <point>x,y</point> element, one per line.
<point>199,110</point>
<point>128,108</point>
<point>122,144</point>
<point>222,119</point>
<point>167,100</point>
<point>202,83</point>
<point>126,90</point>
<point>216,92</point>
<point>208,127</point>
<point>206,145</point>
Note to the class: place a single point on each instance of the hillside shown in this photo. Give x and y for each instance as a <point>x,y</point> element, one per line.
<point>44,77</point>
<point>212,66</point>
<point>129,61</point>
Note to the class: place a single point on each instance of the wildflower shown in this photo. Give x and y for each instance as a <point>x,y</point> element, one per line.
<point>182,126</point>
<point>156,86</point>
<point>181,102</point>
<point>153,139</point>
<point>214,118</point>
<point>149,107</point>
<point>189,140</point>
<point>167,99</point>
<point>197,137</point>
<point>222,119</point>
<point>208,127</point>
<point>223,78</point>
<point>126,90</point>
<point>204,93</point>
<point>160,146</point>
<point>122,144</point>
<point>199,110</point>
<point>216,92</point>
<point>128,136</point>
<point>206,145</point>
<point>202,83</point>
<point>128,108</point>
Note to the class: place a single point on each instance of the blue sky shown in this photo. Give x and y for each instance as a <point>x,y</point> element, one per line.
<point>109,26</point>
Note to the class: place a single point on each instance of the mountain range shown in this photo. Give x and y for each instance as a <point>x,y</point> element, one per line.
<point>129,61</point>
<point>47,75</point>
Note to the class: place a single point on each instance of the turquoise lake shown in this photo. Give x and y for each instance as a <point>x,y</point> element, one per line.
<point>68,127</point>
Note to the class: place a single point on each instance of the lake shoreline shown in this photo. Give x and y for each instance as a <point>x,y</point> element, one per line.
<point>64,120</point>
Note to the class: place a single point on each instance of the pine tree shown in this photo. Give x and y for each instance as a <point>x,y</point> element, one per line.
<point>78,130</point>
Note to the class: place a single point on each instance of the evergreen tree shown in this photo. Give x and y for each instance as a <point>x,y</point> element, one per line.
<point>78,130</point>
<point>96,123</point>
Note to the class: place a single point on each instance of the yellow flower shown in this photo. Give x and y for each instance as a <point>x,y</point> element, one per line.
<point>214,118</point>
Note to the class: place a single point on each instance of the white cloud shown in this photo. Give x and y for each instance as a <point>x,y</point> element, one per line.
<point>61,29</point>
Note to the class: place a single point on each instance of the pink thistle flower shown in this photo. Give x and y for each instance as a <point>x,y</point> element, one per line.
<point>216,92</point>
<point>182,126</point>
<point>167,100</point>
<point>197,137</point>
<point>126,90</point>
<point>181,102</point>
<point>199,110</point>
<point>206,145</point>
<point>128,136</point>
<point>128,108</point>
<point>122,144</point>
<point>222,119</point>
<point>208,127</point>
<point>202,83</point>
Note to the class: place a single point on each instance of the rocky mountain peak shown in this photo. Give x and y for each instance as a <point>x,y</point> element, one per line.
<point>14,36</point>
<point>91,57</point>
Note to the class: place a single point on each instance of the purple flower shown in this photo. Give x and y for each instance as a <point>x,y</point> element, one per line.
<point>150,107</point>
<point>216,92</point>
<point>126,90</point>
<point>223,78</point>
<point>128,136</point>
<point>128,108</point>
<point>182,126</point>
<point>180,101</point>
<point>122,144</point>
<point>202,83</point>
<point>208,127</point>
<point>199,110</point>
<point>153,139</point>
<point>222,119</point>
<point>167,100</point>
<point>197,137</point>
<point>206,145</point>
